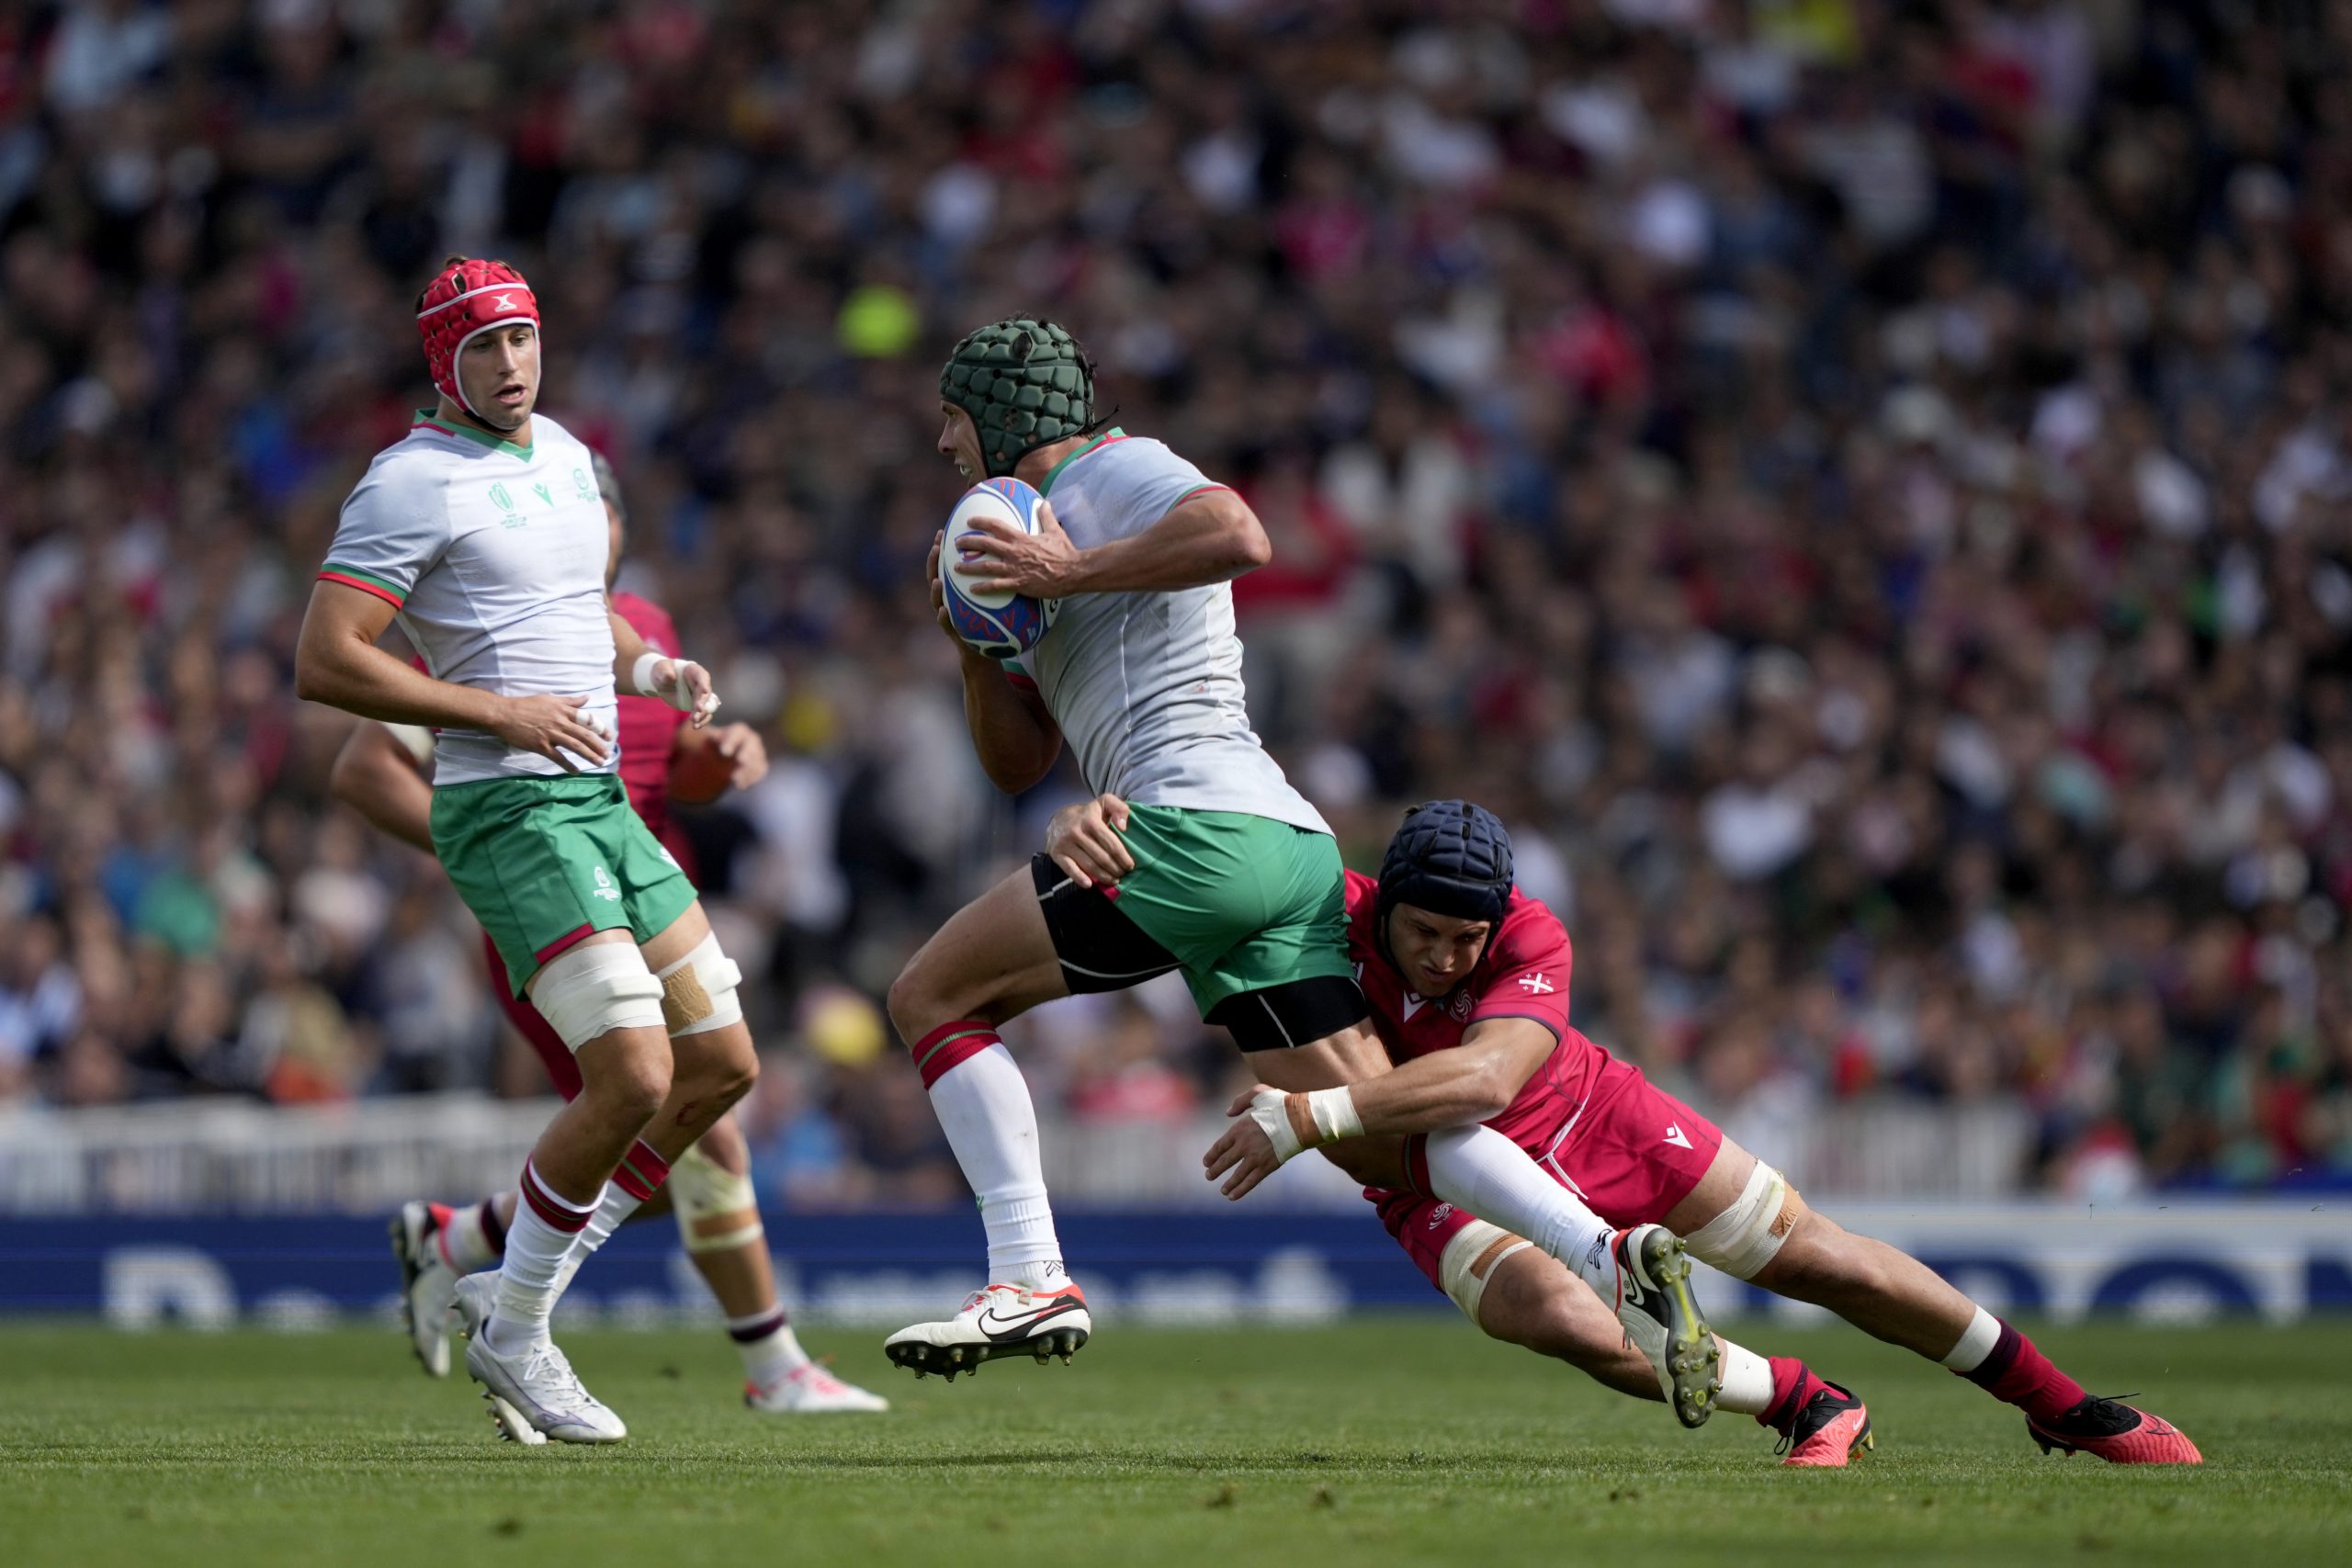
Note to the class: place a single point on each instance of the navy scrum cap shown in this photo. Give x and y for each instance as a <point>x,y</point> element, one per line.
<point>1450,858</point>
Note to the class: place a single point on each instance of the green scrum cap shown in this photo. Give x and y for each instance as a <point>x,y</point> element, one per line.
<point>1024,382</point>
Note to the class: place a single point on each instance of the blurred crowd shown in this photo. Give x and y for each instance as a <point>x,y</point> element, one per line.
<point>1864,488</point>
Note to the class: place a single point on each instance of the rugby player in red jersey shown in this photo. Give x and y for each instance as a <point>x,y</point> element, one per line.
<point>1468,982</point>
<point>384,775</point>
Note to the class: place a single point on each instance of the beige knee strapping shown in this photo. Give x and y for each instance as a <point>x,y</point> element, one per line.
<point>698,990</point>
<point>1749,1232</point>
<point>1470,1260</point>
<point>701,1189</point>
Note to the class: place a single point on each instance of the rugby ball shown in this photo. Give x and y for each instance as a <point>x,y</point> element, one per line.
<point>1002,626</point>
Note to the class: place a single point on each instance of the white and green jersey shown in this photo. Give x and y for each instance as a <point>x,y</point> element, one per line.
<point>1146,687</point>
<point>494,556</point>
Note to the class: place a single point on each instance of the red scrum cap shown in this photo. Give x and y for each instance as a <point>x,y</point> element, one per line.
<point>469,297</point>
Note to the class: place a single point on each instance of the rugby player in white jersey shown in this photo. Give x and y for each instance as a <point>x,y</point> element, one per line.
<point>1204,861</point>
<point>482,531</point>
<point>386,776</point>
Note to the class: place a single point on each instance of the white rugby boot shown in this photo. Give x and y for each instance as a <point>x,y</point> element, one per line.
<point>1661,1316</point>
<point>1000,1320</point>
<point>533,1394</point>
<point>810,1389</point>
<point>428,1285</point>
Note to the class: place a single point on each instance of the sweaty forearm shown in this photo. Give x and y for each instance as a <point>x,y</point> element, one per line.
<point>1445,1089</point>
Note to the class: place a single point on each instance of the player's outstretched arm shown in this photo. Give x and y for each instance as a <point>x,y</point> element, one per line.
<point>378,777</point>
<point>1012,731</point>
<point>1474,1081</point>
<point>1212,536</point>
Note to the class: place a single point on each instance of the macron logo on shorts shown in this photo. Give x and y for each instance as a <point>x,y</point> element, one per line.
<point>1674,1135</point>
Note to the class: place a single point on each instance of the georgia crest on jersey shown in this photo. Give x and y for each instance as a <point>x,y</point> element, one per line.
<point>1522,973</point>
<point>494,557</point>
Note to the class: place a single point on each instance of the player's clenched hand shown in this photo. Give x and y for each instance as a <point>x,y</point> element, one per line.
<point>1249,1149</point>
<point>1083,840</point>
<point>1043,565</point>
<point>746,754</point>
<point>681,682</point>
<point>550,726</point>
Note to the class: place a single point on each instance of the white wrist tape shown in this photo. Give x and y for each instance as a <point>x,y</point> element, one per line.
<point>1335,1114</point>
<point>1297,1122</point>
<point>640,674</point>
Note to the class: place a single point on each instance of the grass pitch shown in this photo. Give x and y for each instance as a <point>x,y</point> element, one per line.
<point>1386,1441</point>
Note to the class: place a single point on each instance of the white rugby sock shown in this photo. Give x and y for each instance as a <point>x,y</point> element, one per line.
<point>983,1104</point>
<point>1747,1381</point>
<point>612,1213</point>
<point>466,1240</point>
<point>1975,1343</point>
<point>769,1348</point>
<point>1478,1170</point>
<point>532,1275</point>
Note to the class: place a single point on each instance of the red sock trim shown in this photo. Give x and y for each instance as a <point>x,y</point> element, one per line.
<point>558,1214</point>
<point>1790,1382</point>
<point>950,1046</point>
<point>752,1333</point>
<point>641,1171</point>
<point>1417,1164</point>
<point>2017,1373</point>
<point>493,1229</point>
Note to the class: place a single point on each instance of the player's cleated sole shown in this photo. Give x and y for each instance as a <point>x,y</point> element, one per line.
<point>1694,1358</point>
<point>512,1427</point>
<point>949,1361</point>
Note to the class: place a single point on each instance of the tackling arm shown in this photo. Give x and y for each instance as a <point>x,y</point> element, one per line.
<point>1476,1080</point>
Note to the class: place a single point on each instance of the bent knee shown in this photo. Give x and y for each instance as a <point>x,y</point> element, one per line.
<point>721,1065</point>
<point>632,1087</point>
<point>914,1003</point>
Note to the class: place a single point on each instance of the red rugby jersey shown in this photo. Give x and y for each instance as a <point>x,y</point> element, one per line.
<point>649,726</point>
<point>1522,973</point>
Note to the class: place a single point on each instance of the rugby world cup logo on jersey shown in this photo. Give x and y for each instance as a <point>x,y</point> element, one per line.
<point>504,500</point>
<point>580,483</point>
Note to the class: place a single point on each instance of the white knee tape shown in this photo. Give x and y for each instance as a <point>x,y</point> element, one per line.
<point>698,990</point>
<point>594,989</point>
<point>1748,1233</point>
<point>701,1189</point>
<point>1470,1260</point>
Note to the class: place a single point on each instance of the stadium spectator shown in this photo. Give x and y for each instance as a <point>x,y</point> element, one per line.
<point>1864,488</point>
